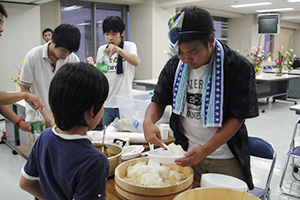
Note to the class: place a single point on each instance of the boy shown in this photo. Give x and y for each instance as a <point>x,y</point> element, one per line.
<point>212,90</point>
<point>117,60</point>
<point>47,34</point>
<point>42,62</point>
<point>63,163</point>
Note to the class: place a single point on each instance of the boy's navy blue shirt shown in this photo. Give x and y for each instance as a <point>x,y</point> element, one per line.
<point>68,166</point>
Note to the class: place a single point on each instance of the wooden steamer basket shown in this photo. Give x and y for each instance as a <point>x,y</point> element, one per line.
<point>215,194</point>
<point>136,192</point>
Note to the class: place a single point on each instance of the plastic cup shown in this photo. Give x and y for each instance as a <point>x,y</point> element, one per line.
<point>164,131</point>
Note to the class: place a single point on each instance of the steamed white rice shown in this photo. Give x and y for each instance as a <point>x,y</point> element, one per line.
<point>176,150</point>
<point>144,175</point>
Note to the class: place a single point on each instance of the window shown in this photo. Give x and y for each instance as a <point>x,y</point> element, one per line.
<point>221,26</point>
<point>88,18</point>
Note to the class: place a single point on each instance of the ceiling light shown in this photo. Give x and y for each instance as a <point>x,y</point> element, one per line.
<point>275,10</point>
<point>293,1</point>
<point>251,4</point>
<point>70,8</point>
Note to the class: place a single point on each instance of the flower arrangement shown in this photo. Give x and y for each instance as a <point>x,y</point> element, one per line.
<point>285,61</point>
<point>17,80</point>
<point>256,57</point>
<point>169,54</point>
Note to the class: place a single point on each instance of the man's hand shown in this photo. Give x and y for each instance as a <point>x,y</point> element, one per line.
<point>48,118</point>
<point>112,49</point>
<point>25,126</point>
<point>152,134</point>
<point>34,101</point>
<point>192,157</point>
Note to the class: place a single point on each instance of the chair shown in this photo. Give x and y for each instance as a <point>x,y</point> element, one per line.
<point>294,152</point>
<point>262,149</point>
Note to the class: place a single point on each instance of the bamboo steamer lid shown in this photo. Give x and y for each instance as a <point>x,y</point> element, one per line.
<point>215,194</point>
<point>132,191</point>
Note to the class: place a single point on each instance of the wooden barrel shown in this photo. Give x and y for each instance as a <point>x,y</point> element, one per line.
<point>136,192</point>
<point>215,194</point>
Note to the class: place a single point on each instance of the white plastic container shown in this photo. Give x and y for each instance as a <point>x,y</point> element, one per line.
<point>220,180</point>
<point>164,131</point>
<point>132,107</point>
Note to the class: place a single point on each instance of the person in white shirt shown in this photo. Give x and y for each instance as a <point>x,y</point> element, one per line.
<point>117,60</point>
<point>42,62</point>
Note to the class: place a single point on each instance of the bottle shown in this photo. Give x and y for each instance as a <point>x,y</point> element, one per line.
<point>37,126</point>
<point>101,65</point>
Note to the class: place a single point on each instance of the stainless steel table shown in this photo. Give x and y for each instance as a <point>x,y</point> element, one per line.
<point>270,85</point>
<point>148,83</point>
<point>296,108</point>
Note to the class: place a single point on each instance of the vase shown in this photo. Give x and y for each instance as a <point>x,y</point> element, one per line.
<point>257,73</point>
<point>18,88</point>
<point>279,73</point>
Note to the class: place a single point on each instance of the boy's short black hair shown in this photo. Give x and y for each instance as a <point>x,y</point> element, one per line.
<point>2,10</point>
<point>196,19</point>
<point>47,30</point>
<point>114,24</point>
<point>67,36</point>
<point>76,88</point>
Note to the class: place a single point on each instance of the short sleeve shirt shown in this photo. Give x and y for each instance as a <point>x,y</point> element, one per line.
<point>37,73</point>
<point>68,167</point>
<point>118,83</point>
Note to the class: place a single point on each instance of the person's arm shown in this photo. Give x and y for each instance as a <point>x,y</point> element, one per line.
<point>32,99</point>
<point>11,116</point>
<point>33,187</point>
<point>47,116</point>
<point>198,153</point>
<point>153,113</point>
<point>130,58</point>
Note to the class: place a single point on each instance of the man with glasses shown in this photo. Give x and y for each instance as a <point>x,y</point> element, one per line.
<point>41,64</point>
<point>212,91</point>
<point>9,98</point>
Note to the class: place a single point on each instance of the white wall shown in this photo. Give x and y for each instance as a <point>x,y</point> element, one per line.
<point>160,37</point>
<point>148,29</point>
<point>243,34</point>
<point>297,42</point>
<point>240,33</point>
<point>141,33</point>
<point>21,33</point>
<point>50,16</point>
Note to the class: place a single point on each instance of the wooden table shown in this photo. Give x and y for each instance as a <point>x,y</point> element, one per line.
<point>24,151</point>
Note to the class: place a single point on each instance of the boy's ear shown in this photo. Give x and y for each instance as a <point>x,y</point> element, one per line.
<point>123,33</point>
<point>91,111</point>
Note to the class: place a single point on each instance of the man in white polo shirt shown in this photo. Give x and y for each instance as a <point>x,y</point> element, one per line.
<point>42,62</point>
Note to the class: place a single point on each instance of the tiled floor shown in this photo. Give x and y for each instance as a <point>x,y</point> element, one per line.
<point>275,125</point>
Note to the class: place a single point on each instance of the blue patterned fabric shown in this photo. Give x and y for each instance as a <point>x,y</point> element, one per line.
<point>212,97</point>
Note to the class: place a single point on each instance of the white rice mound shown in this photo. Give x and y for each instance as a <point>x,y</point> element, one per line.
<point>146,176</point>
<point>176,150</point>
